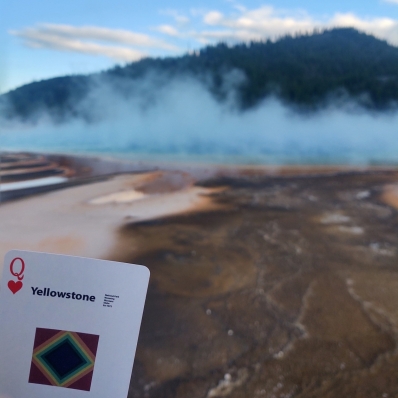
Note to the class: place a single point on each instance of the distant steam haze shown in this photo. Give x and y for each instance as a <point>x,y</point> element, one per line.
<point>181,120</point>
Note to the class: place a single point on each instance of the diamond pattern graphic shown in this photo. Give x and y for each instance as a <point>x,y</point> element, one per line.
<point>63,359</point>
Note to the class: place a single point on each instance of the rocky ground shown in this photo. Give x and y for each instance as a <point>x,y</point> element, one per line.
<point>265,282</point>
<point>289,289</point>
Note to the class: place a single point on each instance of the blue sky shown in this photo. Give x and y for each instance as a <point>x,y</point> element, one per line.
<point>42,39</point>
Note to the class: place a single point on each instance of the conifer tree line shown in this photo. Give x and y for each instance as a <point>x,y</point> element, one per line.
<point>305,71</point>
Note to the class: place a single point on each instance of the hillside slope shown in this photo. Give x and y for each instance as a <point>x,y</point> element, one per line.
<point>304,71</point>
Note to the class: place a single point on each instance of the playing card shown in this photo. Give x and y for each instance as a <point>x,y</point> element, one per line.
<point>68,325</point>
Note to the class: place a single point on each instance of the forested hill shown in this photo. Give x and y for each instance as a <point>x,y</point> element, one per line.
<point>304,71</point>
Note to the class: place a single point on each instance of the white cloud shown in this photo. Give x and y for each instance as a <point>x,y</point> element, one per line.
<point>268,22</point>
<point>214,18</point>
<point>64,44</point>
<point>105,34</point>
<point>255,24</point>
<point>167,30</point>
<point>229,36</point>
<point>89,40</point>
<point>385,28</point>
<point>178,17</point>
<point>239,24</point>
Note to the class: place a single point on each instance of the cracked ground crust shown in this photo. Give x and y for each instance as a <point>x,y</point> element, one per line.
<point>263,288</point>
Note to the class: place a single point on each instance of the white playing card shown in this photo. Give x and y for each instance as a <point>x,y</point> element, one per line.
<point>68,325</point>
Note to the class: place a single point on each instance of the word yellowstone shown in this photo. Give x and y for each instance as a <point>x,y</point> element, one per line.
<point>52,293</point>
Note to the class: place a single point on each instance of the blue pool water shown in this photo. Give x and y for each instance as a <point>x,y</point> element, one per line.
<point>201,130</point>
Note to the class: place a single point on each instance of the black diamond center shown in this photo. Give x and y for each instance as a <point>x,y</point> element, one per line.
<point>64,359</point>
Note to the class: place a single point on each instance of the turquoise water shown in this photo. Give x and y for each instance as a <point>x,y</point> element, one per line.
<point>205,131</point>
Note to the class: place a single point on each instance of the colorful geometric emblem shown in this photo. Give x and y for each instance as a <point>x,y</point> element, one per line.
<point>63,359</point>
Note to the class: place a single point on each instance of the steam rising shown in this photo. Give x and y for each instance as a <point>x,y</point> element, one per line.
<point>181,120</point>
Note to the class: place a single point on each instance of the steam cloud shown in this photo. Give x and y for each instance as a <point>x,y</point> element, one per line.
<point>181,120</point>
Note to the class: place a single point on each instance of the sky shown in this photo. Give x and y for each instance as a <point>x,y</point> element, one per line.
<point>47,38</point>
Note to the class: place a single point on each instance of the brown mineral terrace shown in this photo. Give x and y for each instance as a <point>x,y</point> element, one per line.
<point>265,281</point>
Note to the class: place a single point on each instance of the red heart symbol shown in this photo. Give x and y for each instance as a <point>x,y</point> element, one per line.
<point>15,286</point>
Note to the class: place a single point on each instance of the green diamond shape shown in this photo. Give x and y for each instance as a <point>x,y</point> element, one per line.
<point>85,360</point>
